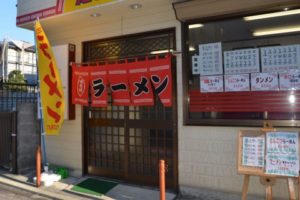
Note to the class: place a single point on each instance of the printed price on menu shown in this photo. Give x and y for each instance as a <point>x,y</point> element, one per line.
<point>289,80</point>
<point>280,58</point>
<point>211,84</point>
<point>211,62</point>
<point>241,61</point>
<point>264,81</point>
<point>253,151</point>
<point>239,82</point>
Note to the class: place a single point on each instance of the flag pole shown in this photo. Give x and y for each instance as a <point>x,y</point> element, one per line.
<point>40,110</point>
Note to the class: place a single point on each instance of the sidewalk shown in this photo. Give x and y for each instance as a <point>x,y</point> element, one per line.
<point>62,189</point>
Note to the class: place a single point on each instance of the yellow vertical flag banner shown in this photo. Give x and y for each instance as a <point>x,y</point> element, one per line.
<point>51,90</point>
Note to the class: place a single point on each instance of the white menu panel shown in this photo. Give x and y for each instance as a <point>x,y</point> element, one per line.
<point>211,61</point>
<point>282,153</point>
<point>264,81</point>
<point>289,80</point>
<point>241,61</point>
<point>280,58</point>
<point>237,82</point>
<point>211,84</point>
<point>253,151</point>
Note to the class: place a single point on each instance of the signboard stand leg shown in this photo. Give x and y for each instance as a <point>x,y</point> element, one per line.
<point>291,189</point>
<point>245,187</point>
<point>298,182</point>
<point>269,192</point>
<point>268,182</point>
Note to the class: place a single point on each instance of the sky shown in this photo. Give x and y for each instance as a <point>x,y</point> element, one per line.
<point>8,28</point>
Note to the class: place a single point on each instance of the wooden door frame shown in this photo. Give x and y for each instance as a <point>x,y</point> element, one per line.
<point>85,114</point>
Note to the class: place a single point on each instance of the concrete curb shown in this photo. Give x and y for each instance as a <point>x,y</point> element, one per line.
<point>32,189</point>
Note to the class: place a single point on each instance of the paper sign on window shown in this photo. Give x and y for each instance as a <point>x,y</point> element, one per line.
<point>211,84</point>
<point>289,80</point>
<point>264,81</point>
<point>211,62</point>
<point>241,61</point>
<point>235,83</point>
<point>280,58</point>
<point>196,64</point>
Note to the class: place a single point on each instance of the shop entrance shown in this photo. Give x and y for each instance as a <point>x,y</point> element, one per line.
<point>127,142</point>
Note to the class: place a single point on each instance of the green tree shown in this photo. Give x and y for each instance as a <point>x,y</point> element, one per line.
<point>16,76</point>
<point>16,80</point>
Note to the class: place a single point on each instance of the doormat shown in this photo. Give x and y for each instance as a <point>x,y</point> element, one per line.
<point>94,187</point>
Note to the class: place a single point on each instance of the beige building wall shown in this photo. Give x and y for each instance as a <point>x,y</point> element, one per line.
<point>66,149</point>
<point>208,159</point>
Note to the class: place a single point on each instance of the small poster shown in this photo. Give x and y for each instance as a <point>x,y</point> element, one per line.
<point>237,83</point>
<point>283,142</point>
<point>264,81</point>
<point>253,151</point>
<point>211,61</point>
<point>241,61</point>
<point>280,58</point>
<point>282,164</point>
<point>282,153</point>
<point>289,80</point>
<point>211,84</point>
<point>196,64</point>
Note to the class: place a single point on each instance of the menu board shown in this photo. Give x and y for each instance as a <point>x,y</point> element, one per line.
<point>264,81</point>
<point>284,165</point>
<point>211,84</point>
<point>289,80</point>
<point>282,142</point>
<point>237,83</point>
<point>211,61</point>
<point>280,58</point>
<point>264,153</point>
<point>253,151</point>
<point>241,61</point>
<point>282,153</point>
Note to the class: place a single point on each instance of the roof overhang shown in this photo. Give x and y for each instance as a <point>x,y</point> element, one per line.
<point>197,9</point>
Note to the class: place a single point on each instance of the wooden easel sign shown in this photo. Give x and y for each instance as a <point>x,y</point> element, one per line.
<point>269,154</point>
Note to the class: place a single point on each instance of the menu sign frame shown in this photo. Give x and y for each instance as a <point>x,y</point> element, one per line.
<point>278,162</point>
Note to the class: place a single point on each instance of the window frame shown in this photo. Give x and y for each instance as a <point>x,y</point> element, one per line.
<point>186,72</point>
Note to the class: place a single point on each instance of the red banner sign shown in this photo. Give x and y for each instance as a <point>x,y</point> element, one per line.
<point>130,83</point>
<point>98,83</point>
<point>118,82</point>
<point>161,78</point>
<point>140,84</point>
<point>80,85</point>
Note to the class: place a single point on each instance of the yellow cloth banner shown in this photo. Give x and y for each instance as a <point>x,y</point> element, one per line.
<point>72,5</point>
<point>51,90</point>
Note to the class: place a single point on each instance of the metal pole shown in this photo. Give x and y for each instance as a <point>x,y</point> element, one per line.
<point>38,166</point>
<point>162,180</point>
<point>40,106</point>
